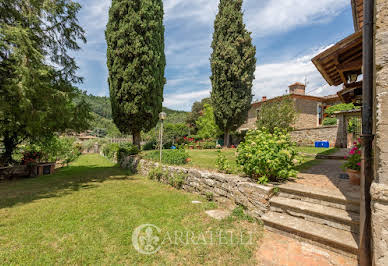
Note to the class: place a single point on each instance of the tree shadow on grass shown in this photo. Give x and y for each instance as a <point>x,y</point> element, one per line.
<point>65,181</point>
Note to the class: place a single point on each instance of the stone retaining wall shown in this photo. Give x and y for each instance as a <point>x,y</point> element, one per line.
<point>308,136</point>
<point>228,189</point>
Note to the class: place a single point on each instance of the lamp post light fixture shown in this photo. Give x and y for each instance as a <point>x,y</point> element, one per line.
<point>162,117</point>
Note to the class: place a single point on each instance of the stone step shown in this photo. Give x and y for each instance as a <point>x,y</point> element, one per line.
<point>333,217</point>
<point>330,237</point>
<point>320,196</point>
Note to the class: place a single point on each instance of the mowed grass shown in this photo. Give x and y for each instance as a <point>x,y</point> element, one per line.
<point>206,159</point>
<point>86,214</point>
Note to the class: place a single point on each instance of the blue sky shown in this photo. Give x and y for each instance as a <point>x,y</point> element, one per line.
<point>287,34</point>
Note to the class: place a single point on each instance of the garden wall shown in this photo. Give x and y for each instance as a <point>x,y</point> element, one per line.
<point>229,189</point>
<point>308,136</point>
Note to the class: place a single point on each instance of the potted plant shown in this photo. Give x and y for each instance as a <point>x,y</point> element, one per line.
<point>353,163</point>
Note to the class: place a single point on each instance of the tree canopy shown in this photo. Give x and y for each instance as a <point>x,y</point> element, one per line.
<point>37,72</point>
<point>233,64</point>
<point>136,63</point>
<point>279,113</point>
<point>207,127</point>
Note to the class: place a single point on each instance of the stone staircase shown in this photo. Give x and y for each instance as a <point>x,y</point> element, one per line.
<point>325,217</point>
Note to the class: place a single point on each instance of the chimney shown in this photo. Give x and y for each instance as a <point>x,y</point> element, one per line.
<point>297,88</point>
<point>264,98</point>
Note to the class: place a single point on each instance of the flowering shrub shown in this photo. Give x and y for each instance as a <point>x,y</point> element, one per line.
<point>31,157</point>
<point>354,159</point>
<point>268,156</point>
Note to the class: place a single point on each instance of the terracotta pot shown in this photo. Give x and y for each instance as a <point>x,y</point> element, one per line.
<point>354,176</point>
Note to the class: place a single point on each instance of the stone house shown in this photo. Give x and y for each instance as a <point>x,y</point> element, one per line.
<point>309,122</point>
<point>310,108</point>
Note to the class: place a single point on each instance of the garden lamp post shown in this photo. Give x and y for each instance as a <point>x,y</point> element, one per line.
<point>162,116</point>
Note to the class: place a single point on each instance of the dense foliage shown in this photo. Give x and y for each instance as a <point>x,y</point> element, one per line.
<point>279,113</point>
<point>340,107</point>
<point>223,165</point>
<point>207,127</point>
<point>176,157</point>
<point>268,156</point>
<point>110,150</point>
<point>136,63</point>
<point>37,72</point>
<point>332,120</point>
<point>115,151</point>
<point>55,149</point>
<point>173,134</point>
<point>127,149</point>
<point>196,111</point>
<point>233,65</point>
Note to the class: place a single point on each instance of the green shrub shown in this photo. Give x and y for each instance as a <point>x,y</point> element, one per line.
<point>208,145</point>
<point>223,165</point>
<point>110,150</point>
<point>268,157</point>
<point>330,121</point>
<point>150,145</point>
<point>127,149</point>
<point>57,149</point>
<point>156,173</point>
<point>209,196</point>
<point>176,157</point>
<point>177,180</point>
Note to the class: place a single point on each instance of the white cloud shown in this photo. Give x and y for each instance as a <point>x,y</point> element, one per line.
<point>273,79</point>
<point>282,15</point>
<point>184,100</point>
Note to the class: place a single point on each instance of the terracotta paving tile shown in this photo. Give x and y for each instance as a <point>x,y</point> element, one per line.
<point>326,175</point>
<point>278,250</point>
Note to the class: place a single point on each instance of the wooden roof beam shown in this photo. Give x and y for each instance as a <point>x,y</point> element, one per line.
<point>355,65</point>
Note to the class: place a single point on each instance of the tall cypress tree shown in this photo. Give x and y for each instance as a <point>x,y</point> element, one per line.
<point>233,65</point>
<point>136,63</point>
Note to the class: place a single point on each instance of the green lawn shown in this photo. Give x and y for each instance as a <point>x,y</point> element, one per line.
<point>206,159</point>
<point>86,214</point>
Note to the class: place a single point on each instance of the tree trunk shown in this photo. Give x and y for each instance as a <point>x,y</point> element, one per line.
<point>226,138</point>
<point>9,146</point>
<point>136,139</point>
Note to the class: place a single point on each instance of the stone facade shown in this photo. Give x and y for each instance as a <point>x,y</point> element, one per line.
<point>228,189</point>
<point>307,113</point>
<point>379,191</point>
<point>307,137</point>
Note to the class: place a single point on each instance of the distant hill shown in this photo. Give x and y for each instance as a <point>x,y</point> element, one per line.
<point>102,114</point>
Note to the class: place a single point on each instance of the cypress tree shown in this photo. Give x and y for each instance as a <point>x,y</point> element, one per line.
<point>136,63</point>
<point>233,64</point>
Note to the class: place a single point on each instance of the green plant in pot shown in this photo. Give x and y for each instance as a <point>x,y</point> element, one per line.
<point>353,163</point>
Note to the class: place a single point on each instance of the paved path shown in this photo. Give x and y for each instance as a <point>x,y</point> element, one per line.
<point>326,175</point>
<point>278,250</point>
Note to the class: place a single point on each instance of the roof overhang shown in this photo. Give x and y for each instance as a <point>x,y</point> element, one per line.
<point>342,62</point>
<point>358,14</point>
<point>351,93</point>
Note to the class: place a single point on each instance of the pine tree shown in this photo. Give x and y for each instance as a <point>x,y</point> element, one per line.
<point>136,63</point>
<point>233,64</point>
<point>37,73</point>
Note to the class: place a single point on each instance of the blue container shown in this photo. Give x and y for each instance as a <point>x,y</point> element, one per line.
<point>322,144</point>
